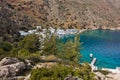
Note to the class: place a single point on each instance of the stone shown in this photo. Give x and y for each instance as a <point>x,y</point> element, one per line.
<point>8,60</point>
<point>113,76</point>
<point>45,65</point>
<point>11,67</point>
<point>27,77</point>
<point>100,76</point>
<point>12,70</point>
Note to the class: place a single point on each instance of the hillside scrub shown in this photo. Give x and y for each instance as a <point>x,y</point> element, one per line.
<point>67,54</point>
<point>60,72</point>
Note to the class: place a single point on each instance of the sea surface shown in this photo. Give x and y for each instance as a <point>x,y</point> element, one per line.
<point>103,44</point>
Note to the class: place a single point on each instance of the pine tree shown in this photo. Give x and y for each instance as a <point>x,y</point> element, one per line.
<point>50,45</point>
<point>70,51</point>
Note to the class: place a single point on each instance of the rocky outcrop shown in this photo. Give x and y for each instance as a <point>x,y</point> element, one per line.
<point>45,65</point>
<point>100,76</point>
<point>113,76</point>
<point>110,76</point>
<point>11,67</point>
<point>8,61</point>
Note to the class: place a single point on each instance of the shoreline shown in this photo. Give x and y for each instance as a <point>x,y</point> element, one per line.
<point>79,31</point>
<point>112,70</point>
<point>102,28</point>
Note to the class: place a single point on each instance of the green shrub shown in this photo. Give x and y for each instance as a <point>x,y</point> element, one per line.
<point>34,57</point>
<point>6,46</point>
<point>50,46</point>
<point>56,73</point>
<point>30,42</point>
<point>2,51</point>
<point>23,53</point>
<point>60,72</point>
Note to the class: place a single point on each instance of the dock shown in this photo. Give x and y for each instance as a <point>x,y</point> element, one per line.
<point>93,61</point>
<point>92,64</point>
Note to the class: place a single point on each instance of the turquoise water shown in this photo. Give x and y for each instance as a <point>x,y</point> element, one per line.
<point>104,45</point>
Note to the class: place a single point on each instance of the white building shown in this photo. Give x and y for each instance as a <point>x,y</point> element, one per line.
<point>23,33</point>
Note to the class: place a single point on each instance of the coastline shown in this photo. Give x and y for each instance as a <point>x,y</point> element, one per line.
<point>61,31</point>
<point>95,28</point>
<point>117,69</point>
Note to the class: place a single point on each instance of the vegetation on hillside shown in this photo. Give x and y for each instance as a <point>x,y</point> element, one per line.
<point>67,54</point>
<point>28,46</point>
<point>61,72</point>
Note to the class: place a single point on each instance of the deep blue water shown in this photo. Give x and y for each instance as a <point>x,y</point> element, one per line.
<point>104,45</point>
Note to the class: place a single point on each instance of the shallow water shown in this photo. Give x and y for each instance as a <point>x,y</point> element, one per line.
<point>104,45</point>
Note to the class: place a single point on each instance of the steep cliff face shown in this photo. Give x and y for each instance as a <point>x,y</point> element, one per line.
<point>25,14</point>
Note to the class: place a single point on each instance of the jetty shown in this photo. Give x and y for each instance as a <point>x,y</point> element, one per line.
<point>93,61</point>
<point>92,64</point>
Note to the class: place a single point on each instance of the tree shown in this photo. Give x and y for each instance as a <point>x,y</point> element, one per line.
<point>70,51</point>
<point>30,43</point>
<point>50,45</point>
<point>6,46</point>
<point>84,72</point>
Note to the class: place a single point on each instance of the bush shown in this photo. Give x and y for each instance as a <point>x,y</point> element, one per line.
<point>6,46</point>
<point>30,42</point>
<point>2,52</point>
<point>56,73</point>
<point>50,46</point>
<point>70,51</point>
<point>35,57</point>
<point>23,53</point>
<point>60,72</point>
<point>26,47</point>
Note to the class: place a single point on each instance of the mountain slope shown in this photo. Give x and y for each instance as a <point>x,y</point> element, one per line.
<point>26,14</point>
<point>86,12</point>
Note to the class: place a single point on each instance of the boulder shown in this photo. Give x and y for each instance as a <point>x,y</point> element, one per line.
<point>11,67</point>
<point>27,77</point>
<point>113,76</point>
<point>8,60</point>
<point>100,76</point>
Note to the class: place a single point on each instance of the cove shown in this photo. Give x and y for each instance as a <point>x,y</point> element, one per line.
<point>103,44</point>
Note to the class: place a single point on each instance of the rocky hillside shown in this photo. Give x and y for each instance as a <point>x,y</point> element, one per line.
<point>25,14</point>
<point>86,13</point>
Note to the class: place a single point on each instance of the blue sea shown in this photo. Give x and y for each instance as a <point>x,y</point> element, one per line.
<point>103,44</point>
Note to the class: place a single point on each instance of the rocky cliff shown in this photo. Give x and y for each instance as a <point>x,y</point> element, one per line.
<point>25,14</point>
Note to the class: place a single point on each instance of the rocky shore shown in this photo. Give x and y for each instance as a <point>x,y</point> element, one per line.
<point>110,76</point>
<point>13,69</point>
